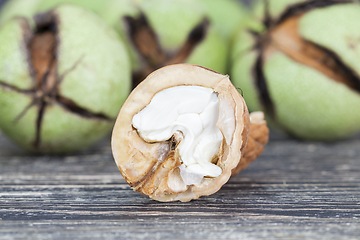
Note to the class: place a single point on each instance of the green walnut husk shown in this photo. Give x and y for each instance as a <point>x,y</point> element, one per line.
<point>227,16</point>
<point>62,80</point>
<point>13,8</point>
<point>299,62</point>
<point>157,32</point>
<point>90,5</point>
<point>28,8</point>
<point>162,32</point>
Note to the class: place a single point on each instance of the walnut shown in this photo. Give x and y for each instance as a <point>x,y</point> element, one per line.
<point>183,131</point>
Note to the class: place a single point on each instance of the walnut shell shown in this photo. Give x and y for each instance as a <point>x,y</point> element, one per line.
<point>153,168</point>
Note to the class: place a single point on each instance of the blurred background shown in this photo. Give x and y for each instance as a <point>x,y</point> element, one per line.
<point>244,1</point>
<point>263,56</point>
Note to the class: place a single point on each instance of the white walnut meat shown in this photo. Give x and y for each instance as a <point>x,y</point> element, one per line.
<point>154,125</point>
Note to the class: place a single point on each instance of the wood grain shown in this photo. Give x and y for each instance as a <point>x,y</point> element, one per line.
<point>295,190</point>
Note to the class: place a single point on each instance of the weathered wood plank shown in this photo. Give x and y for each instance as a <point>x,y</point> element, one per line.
<point>295,190</point>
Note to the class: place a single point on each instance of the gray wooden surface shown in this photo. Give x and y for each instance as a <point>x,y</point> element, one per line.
<point>295,190</point>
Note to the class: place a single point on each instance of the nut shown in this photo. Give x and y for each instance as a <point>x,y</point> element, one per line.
<point>181,132</point>
<point>15,8</point>
<point>28,8</point>
<point>161,32</point>
<point>94,6</point>
<point>156,32</point>
<point>305,78</point>
<point>62,82</point>
<point>226,15</point>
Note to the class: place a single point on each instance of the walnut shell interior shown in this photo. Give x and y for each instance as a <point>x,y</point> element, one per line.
<point>153,168</point>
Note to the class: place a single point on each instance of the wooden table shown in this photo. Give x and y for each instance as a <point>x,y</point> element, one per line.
<point>295,190</point>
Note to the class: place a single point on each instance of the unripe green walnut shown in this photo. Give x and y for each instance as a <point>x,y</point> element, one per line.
<point>62,82</point>
<point>12,8</point>
<point>90,5</point>
<point>301,65</point>
<point>226,15</point>
<point>162,32</point>
<point>28,8</point>
<point>156,32</point>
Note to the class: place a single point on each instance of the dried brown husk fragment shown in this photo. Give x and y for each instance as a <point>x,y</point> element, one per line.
<point>145,42</point>
<point>153,168</point>
<point>43,62</point>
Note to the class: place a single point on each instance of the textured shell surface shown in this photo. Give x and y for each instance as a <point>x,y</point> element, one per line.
<point>153,168</point>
